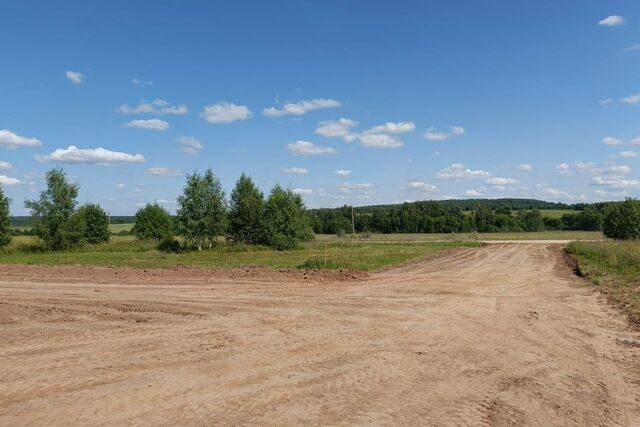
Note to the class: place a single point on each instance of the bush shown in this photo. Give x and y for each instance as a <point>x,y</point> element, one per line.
<point>169,244</point>
<point>96,223</point>
<point>152,222</point>
<point>622,220</point>
<point>5,226</point>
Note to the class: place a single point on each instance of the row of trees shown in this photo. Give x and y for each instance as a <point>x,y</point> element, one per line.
<point>204,215</point>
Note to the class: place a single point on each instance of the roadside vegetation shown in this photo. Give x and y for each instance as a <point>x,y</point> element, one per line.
<point>614,266</point>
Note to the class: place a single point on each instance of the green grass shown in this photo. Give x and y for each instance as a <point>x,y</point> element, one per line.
<point>131,253</point>
<point>614,267</point>
<point>453,237</point>
<point>116,228</point>
<point>556,213</point>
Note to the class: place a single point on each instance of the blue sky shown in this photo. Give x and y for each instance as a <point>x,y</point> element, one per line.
<point>347,102</point>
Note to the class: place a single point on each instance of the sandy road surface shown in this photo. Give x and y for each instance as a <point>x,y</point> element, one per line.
<point>501,335</point>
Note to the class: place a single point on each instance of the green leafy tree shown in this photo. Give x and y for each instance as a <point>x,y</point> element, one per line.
<point>152,222</point>
<point>286,222</point>
<point>484,218</point>
<point>52,212</point>
<point>531,220</point>
<point>202,210</point>
<point>622,220</point>
<point>96,223</point>
<point>246,212</point>
<point>5,225</point>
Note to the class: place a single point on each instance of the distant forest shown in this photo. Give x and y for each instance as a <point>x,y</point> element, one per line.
<point>443,216</point>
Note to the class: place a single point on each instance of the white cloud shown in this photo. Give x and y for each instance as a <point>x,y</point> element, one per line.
<point>524,167</point>
<point>141,82</point>
<point>612,21</point>
<point>584,165</point>
<point>380,141</point>
<point>335,128</point>
<point>475,193</point>
<point>12,140</point>
<point>75,77</point>
<point>457,130</point>
<point>432,135</point>
<point>157,106</point>
<point>605,102</point>
<point>151,124</point>
<point>616,183</point>
<point>610,140</point>
<point>458,171</point>
<point>162,171</point>
<point>303,191</point>
<point>496,180</point>
<point>306,148</point>
<point>299,108</point>
<point>9,181</point>
<point>422,186</point>
<point>632,48</point>
<point>5,165</point>
<point>617,170</point>
<point>391,127</point>
<point>631,99</point>
<point>355,186</point>
<point>120,186</point>
<point>189,145</point>
<point>630,154</point>
<point>343,173</point>
<point>225,112</point>
<point>73,154</point>
<point>296,171</point>
<point>635,141</point>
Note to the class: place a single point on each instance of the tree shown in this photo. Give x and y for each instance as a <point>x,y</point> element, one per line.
<point>5,225</point>
<point>152,222</point>
<point>531,220</point>
<point>202,210</point>
<point>96,223</point>
<point>286,222</point>
<point>246,212</point>
<point>484,218</point>
<point>52,212</point>
<point>622,220</point>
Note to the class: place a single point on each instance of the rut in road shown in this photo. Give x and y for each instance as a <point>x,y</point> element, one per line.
<point>500,335</point>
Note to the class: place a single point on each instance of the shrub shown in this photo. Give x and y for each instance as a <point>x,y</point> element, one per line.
<point>96,223</point>
<point>622,220</point>
<point>152,222</point>
<point>5,226</point>
<point>169,244</point>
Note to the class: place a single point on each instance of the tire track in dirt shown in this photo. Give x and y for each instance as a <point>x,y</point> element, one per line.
<point>499,335</point>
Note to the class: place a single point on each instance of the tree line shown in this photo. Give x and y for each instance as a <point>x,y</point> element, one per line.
<point>203,216</point>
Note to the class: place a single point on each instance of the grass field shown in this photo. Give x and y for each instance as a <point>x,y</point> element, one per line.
<point>116,228</point>
<point>614,267</point>
<point>125,252</point>
<point>453,237</point>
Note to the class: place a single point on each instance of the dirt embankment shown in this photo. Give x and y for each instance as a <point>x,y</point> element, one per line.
<point>500,335</point>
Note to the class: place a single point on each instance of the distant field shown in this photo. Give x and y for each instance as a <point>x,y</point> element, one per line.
<point>116,228</point>
<point>556,213</point>
<point>453,237</point>
<point>126,252</point>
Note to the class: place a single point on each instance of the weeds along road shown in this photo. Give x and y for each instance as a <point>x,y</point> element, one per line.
<point>500,335</point>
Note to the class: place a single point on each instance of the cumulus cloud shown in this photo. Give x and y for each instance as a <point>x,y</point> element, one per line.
<point>120,186</point>
<point>524,167</point>
<point>499,181</point>
<point>296,171</point>
<point>9,181</point>
<point>631,99</point>
<point>617,170</point>
<point>141,82</point>
<point>605,102</point>
<point>380,141</point>
<point>225,112</point>
<point>162,171</point>
<point>355,186</point>
<point>73,154</point>
<point>157,106</point>
<point>615,183</point>
<point>612,21</point>
<point>432,135</point>
<point>5,165</point>
<point>189,145</point>
<point>610,140</point>
<point>475,192</point>
<point>457,171</point>
<point>336,128</point>
<point>300,108</point>
<point>303,191</point>
<point>422,186</point>
<point>632,48</point>
<point>306,148</point>
<point>392,127</point>
<point>630,154</point>
<point>635,141</point>
<point>12,140</point>
<point>151,124</point>
<point>343,173</point>
<point>75,77</point>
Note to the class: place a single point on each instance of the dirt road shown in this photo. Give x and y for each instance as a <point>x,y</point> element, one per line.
<point>500,335</point>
